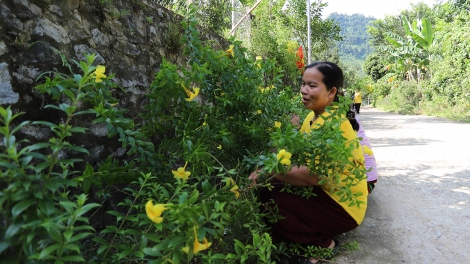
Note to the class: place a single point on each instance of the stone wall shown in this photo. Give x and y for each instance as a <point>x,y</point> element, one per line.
<point>130,37</point>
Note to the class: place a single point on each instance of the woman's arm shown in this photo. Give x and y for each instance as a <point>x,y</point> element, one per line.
<point>299,176</point>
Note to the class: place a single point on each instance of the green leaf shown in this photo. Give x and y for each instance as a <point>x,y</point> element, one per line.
<point>47,251</point>
<point>125,253</point>
<point>193,198</point>
<point>183,198</point>
<point>73,258</point>
<point>79,237</point>
<point>139,254</point>
<point>11,231</point>
<point>21,206</point>
<point>68,234</point>
<point>151,252</point>
<point>86,208</point>
<point>18,127</point>
<point>176,241</point>
<point>73,247</point>
<point>427,31</point>
<point>3,246</point>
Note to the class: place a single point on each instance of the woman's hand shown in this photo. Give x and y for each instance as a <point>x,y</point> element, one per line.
<point>254,175</point>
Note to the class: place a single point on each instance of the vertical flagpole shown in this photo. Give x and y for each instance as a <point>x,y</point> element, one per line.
<point>309,44</point>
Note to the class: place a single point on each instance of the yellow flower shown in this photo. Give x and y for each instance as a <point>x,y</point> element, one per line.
<point>197,246</point>
<point>191,95</point>
<point>219,147</point>
<point>284,156</point>
<point>181,173</point>
<point>367,150</point>
<point>230,181</point>
<point>154,212</point>
<point>259,58</point>
<point>277,124</point>
<point>234,189</point>
<point>204,124</point>
<point>99,73</point>
<point>230,52</point>
<point>259,112</point>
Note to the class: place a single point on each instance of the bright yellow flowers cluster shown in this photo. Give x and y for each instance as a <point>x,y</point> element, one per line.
<point>284,156</point>
<point>266,89</point>
<point>99,73</point>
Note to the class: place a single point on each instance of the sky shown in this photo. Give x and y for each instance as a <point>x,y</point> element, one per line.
<point>374,8</point>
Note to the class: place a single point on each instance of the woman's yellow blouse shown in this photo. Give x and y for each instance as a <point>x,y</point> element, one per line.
<point>355,212</point>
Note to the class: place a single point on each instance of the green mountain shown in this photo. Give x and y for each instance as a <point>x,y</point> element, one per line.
<point>354,48</point>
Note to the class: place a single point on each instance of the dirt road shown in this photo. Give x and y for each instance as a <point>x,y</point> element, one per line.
<point>420,210</point>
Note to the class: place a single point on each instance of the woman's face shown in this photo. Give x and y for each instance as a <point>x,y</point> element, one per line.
<point>315,96</point>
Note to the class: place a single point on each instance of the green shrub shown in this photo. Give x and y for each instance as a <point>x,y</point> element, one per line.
<point>187,196</point>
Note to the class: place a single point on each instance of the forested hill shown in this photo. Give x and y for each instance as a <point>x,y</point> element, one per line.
<point>355,37</point>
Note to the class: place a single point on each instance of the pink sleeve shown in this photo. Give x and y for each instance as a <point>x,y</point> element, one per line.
<point>369,160</point>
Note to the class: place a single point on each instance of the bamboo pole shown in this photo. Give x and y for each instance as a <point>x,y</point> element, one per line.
<point>243,18</point>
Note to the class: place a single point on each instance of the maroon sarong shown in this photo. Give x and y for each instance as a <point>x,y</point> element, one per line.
<point>312,221</point>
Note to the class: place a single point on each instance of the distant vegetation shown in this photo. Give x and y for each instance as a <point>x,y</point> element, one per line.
<point>354,34</point>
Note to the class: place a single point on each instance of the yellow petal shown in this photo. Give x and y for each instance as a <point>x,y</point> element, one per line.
<point>99,73</point>
<point>185,250</point>
<point>192,95</point>
<point>277,124</point>
<point>154,212</point>
<point>287,155</point>
<point>285,161</point>
<point>230,51</point>
<point>181,173</point>
<point>230,182</point>
<point>188,92</point>
<point>367,151</point>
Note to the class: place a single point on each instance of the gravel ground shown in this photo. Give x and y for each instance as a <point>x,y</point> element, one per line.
<point>419,211</point>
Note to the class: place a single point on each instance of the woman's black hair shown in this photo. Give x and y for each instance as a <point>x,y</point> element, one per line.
<point>333,77</point>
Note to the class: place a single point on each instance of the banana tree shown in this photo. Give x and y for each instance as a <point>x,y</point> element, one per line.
<point>412,52</point>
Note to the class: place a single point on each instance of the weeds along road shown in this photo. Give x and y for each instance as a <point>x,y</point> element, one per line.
<point>419,211</point>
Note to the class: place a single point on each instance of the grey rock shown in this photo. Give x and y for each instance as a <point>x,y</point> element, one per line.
<point>26,74</point>
<point>96,152</point>
<point>81,50</point>
<point>56,10</point>
<point>152,30</point>
<point>40,133</point>
<point>7,95</point>
<point>119,152</point>
<point>128,48</point>
<point>3,48</point>
<point>35,10</point>
<point>99,38</point>
<point>45,27</point>
<point>99,130</point>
